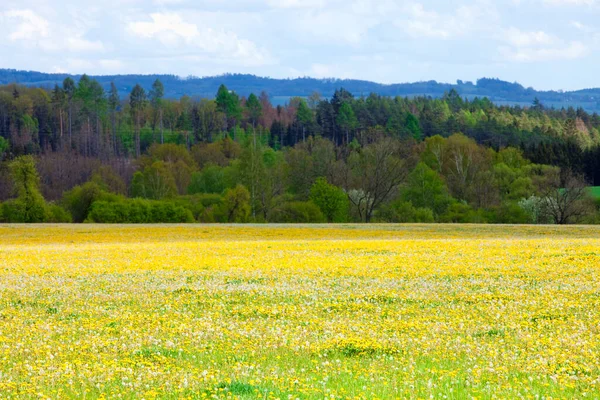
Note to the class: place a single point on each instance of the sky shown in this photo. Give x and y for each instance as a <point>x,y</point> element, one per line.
<point>545,44</point>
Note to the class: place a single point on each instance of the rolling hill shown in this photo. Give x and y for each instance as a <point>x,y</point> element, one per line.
<point>280,90</point>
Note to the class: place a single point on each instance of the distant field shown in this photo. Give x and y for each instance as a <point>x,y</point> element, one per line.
<point>287,312</point>
<point>595,191</point>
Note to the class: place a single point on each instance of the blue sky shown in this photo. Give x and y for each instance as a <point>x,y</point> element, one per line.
<point>547,44</point>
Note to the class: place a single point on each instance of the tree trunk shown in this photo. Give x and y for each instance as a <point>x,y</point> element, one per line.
<point>114,133</point>
<point>162,135</point>
<point>70,126</point>
<point>137,136</point>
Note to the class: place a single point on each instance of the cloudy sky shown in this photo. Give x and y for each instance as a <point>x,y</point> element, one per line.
<point>547,44</point>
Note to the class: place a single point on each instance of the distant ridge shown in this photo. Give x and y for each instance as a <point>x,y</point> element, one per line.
<point>280,90</point>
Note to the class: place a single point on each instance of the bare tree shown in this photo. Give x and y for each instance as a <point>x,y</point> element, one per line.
<point>565,196</point>
<point>374,172</point>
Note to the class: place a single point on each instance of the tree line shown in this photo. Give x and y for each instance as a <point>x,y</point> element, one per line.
<point>77,153</point>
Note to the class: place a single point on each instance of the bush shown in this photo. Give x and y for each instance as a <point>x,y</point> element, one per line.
<point>405,212</point>
<point>109,181</point>
<point>155,182</point>
<point>191,203</point>
<point>58,215</point>
<point>508,213</point>
<point>79,200</point>
<point>235,206</point>
<point>30,205</point>
<point>138,211</point>
<point>332,200</point>
<point>210,180</point>
<point>19,211</point>
<point>462,213</point>
<point>297,212</point>
<point>533,207</point>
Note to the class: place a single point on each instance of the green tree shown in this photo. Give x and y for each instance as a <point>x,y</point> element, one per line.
<point>113,104</point>
<point>210,180</point>
<point>79,200</point>
<point>412,127</point>
<point>30,205</point>
<point>254,109</point>
<point>304,116</point>
<point>332,200</point>
<point>155,182</point>
<point>58,104</point>
<point>404,212</point>
<point>236,204</point>
<point>228,103</point>
<point>137,102</point>
<point>4,146</point>
<point>69,88</point>
<point>156,99</point>
<point>346,119</point>
<point>425,189</point>
<point>252,169</point>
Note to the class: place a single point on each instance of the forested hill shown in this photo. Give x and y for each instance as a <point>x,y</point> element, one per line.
<point>280,90</point>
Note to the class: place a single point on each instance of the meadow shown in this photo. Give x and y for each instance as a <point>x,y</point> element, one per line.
<point>299,312</point>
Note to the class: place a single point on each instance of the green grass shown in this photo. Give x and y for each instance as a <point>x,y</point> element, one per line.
<point>595,191</point>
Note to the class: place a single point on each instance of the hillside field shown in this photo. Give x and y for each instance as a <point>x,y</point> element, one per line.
<point>595,192</point>
<point>299,312</point>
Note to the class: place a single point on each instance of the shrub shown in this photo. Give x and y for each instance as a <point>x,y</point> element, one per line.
<point>426,189</point>
<point>297,211</point>
<point>138,211</point>
<point>210,180</point>
<point>332,200</point>
<point>508,213</point>
<point>235,206</point>
<point>79,200</point>
<point>19,211</point>
<point>109,181</point>
<point>30,205</point>
<point>534,209</point>
<point>462,213</point>
<point>405,212</point>
<point>155,182</point>
<point>57,214</point>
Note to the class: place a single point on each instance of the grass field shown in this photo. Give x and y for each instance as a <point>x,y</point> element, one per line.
<point>595,191</point>
<point>336,312</point>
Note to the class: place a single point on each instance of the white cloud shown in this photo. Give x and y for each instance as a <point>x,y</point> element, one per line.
<point>112,65</point>
<point>539,46</point>
<point>79,44</point>
<point>572,51</point>
<point>296,3</point>
<point>571,2</point>
<point>519,38</point>
<point>583,27</point>
<point>78,65</point>
<point>330,71</point>
<point>35,31</point>
<point>176,34</point>
<point>166,26</point>
<point>321,70</point>
<point>421,22</point>
<point>330,26</point>
<point>29,26</point>
<point>383,40</point>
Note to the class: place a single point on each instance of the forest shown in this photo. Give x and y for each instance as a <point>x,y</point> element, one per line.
<point>80,153</point>
<point>281,90</point>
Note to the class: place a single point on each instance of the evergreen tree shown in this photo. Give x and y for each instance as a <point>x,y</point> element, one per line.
<point>137,102</point>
